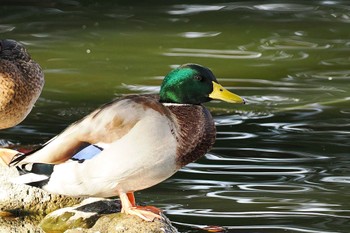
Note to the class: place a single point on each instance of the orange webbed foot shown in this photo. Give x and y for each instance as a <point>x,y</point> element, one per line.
<point>139,211</point>
<point>147,213</point>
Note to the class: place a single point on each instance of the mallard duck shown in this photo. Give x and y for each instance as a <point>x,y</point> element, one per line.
<point>21,82</point>
<point>131,143</point>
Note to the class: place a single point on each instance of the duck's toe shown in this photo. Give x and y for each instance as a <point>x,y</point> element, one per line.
<point>147,213</point>
<point>143,212</point>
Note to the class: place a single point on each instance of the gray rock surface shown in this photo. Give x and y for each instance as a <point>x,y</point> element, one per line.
<point>100,215</point>
<point>24,224</point>
<point>22,199</point>
<point>120,223</point>
<point>22,209</point>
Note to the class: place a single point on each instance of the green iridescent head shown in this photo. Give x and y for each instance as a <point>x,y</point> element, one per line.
<point>194,84</point>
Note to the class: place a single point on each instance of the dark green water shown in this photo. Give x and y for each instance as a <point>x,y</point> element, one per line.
<point>281,163</point>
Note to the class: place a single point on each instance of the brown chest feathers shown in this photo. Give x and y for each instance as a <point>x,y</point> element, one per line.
<point>196,132</point>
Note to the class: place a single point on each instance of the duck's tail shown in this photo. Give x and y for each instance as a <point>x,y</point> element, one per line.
<point>11,157</point>
<point>7,155</point>
<point>39,174</point>
<point>20,156</point>
<point>14,157</point>
<point>34,174</point>
<point>31,174</point>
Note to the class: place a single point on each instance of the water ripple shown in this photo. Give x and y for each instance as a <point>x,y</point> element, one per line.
<point>283,55</point>
<point>62,71</point>
<point>234,135</point>
<point>6,143</point>
<point>265,82</point>
<point>327,75</point>
<point>259,155</point>
<point>212,53</point>
<point>336,61</point>
<point>258,228</point>
<point>251,214</point>
<point>288,43</point>
<point>258,170</point>
<point>306,110</point>
<point>199,34</point>
<point>337,179</point>
<point>345,111</point>
<point>225,120</point>
<point>284,228</point>
<point>272,99</point>
<point>142,88</point>
<point>196,184</point>
<point>185,9</point>
<point>277,202</point>
<point>285,7</point>
<point>6,28</point>
<point>275,188</point>
<point>288,127</point>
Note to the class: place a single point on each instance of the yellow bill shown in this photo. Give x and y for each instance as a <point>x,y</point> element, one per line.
<point>220,93</point>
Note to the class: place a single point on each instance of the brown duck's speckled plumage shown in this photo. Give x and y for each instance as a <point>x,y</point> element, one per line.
<point>196,132</point>
<point>21,82</point>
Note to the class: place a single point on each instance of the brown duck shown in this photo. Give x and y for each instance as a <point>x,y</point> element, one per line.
<point>21,82</point>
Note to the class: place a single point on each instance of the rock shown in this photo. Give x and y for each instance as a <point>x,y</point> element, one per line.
<point>100,215</point>
<point>120,223</point>
<point>24,224</point>
<point>82,215</point>
<point>22,199</point>
<point>22,209</point>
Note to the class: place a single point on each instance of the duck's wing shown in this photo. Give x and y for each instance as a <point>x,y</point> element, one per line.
<point>102,127</point>
<point>140,149</point>
<point>38,174</point>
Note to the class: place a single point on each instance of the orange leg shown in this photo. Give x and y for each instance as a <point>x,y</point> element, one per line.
<point>131,198</point>
<point>148,213</point>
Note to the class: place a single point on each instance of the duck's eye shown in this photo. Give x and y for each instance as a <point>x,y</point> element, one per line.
<point>199,78</point>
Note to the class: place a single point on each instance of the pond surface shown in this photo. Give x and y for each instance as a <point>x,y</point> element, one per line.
<point>281,163</point>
